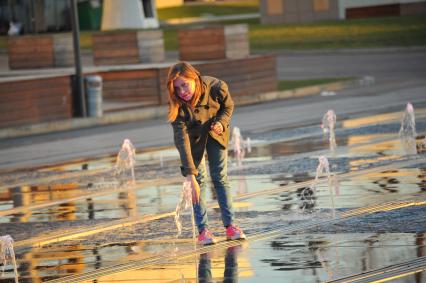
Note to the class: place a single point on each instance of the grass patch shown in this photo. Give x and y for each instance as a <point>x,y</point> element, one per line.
<point>171,39</point>
<point>359,33</point>
<point>214,8</point>
<point>293,84</point>
<point>3,42</point>
<point>86,39</point>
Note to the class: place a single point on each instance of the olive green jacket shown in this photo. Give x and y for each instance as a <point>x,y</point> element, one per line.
<point>192,125</point>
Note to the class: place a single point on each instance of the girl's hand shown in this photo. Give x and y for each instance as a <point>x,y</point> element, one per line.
<point>195,189</point>
<point>217,128</point>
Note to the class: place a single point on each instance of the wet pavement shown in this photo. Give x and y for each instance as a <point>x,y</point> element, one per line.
<point>79,222</point>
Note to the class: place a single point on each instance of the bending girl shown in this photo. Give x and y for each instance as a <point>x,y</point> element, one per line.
<point>200,109</point>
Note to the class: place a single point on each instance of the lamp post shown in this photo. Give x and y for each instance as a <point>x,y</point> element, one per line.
<point>78,78</point>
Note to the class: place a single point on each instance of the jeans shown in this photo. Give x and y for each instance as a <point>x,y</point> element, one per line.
<point>218,165</point>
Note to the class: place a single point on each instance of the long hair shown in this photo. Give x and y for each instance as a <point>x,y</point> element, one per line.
<point>182,69</point>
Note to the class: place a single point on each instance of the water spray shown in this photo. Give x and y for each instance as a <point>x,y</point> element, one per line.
<point>240,146</point>
<point>327,125</point>
<point>184,204</point>
<point>125,163</point>
<point>407,132</point>
<point>333,185</point>
<point>7,253</point>
<point>237,142</point>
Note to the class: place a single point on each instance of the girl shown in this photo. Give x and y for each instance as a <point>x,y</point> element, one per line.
<point>200,109</point>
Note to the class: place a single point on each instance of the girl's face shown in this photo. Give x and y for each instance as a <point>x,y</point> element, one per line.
<point>184,87</point>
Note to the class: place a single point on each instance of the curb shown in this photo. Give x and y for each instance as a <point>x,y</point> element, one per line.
<point>157,112</point>
<point>79,123</point>
<point>376,50</point>
<point>295,93</point>
<point>201,20</point>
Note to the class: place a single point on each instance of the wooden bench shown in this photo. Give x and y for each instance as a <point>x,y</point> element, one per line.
<point>36,100</point>
<point>40,51</point>
<point>128,47</point>
<point>212,43</point>
<point>140,85</point>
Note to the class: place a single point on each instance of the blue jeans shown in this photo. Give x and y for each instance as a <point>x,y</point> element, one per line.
<point>218,165</point>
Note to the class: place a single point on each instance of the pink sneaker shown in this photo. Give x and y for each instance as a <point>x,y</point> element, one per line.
<point>233,232</point>
<point>206,237</point>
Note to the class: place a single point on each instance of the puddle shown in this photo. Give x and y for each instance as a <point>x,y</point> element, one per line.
<point>147,200</point>
<point>324,257</point>
<point>148,156</point>
<point>278,159</point>
<point>358,191</point>
<point>54,262</point>
<point>295,258</point>
<point>294,255</point>
<point>384,118</point>
<point>355,192</point>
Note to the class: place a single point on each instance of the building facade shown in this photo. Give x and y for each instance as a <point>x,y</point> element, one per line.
<point>299,11</point>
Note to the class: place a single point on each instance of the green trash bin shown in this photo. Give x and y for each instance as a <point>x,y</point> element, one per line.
<point>89,15</point>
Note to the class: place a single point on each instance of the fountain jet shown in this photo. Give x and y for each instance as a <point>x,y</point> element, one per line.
<point>125,164</point>
<point>328,124</point>
<point>7,252</point>
<point>184,204</point>
<point>407,132</point>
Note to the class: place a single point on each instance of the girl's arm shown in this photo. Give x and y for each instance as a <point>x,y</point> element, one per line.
<point>181,139</point>
<point>195,188</point>
<point>226,105</point>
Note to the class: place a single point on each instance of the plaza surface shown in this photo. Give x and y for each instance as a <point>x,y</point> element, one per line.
<point>73,221</point>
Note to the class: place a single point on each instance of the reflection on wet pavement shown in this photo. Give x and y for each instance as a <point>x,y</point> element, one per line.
<point>300,258</point>
<point>116,204</point>
<point>325,257</point>
<point>378,119</point>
